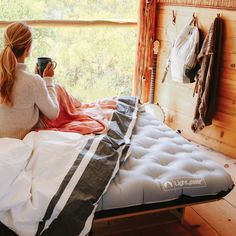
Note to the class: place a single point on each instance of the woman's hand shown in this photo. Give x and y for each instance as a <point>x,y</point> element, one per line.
<point>36,69</point>
<point>49,70</point>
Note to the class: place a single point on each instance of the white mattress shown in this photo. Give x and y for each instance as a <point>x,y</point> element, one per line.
<point>163,166</point>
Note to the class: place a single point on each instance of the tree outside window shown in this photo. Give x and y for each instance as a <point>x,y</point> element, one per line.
<point>93,62</point>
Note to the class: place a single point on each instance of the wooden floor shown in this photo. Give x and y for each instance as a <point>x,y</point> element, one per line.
<point>209,219</point>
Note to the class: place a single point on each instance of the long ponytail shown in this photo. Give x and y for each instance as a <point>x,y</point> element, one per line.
<point>17,37</point>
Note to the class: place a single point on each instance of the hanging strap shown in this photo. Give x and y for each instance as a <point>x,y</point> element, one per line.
<point>196,87</point>
<point>169,61</point>
<point>166,70</point>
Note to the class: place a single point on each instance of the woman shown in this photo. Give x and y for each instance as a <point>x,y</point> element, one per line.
<point>23,95</point>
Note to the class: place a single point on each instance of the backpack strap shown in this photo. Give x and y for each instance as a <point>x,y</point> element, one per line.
<point>196,87</point>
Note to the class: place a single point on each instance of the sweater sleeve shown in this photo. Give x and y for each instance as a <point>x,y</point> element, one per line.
<point>46,97</point>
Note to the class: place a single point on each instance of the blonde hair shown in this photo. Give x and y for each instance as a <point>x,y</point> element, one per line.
<point>17,37</point>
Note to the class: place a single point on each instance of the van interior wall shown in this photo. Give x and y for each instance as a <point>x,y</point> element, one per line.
<point>177,99</point>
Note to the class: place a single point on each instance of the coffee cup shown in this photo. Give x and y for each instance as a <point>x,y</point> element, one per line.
<point>42,63</point>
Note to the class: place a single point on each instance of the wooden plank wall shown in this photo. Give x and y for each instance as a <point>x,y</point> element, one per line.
<point>177,99</point>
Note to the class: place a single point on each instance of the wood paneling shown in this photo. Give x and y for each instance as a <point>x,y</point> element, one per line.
<point>177,99</point>
<point>199,226</point>
<point>212,212</point>
<point>229,4</point>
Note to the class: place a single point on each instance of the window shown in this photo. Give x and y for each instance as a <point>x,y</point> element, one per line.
<point>93,62</point>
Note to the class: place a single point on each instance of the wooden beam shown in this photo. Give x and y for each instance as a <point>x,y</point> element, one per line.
<point>144,212</point>
<point>74,23</point>
<point>146,37</point>
<point>200,4</point>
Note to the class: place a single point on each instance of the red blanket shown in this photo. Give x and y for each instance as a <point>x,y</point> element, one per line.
<point>78,117</point>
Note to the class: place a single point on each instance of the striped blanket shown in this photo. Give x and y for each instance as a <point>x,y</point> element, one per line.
<point>52,181</point>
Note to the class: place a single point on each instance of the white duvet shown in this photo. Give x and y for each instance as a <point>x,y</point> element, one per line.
<point>26,184</point>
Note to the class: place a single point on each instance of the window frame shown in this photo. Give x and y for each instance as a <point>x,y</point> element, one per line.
<point>125,23</point>
<point>74,23</point>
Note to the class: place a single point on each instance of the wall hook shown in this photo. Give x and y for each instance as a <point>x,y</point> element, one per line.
<point>194,20</point>
<point>173,17</point>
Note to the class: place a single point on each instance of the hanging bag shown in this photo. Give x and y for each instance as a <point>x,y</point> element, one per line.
<point>184,54</point>
<point>183,58</point>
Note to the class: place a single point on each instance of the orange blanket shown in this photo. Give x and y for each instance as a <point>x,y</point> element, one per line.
<point>78,117</point>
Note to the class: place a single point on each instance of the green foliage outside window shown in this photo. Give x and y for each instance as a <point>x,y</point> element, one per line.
<point>93,62</point>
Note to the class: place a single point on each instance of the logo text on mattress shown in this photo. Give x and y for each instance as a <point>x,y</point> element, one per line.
<point>183,182</point>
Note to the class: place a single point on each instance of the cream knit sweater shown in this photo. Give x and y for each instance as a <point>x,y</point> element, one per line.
<point>30,95</point>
